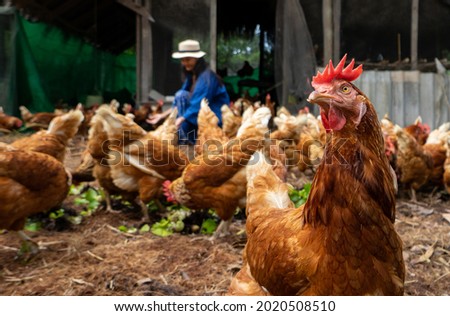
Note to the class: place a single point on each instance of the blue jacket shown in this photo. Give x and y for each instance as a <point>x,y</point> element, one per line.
<point>207,86</point>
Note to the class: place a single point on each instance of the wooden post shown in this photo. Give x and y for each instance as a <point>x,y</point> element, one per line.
<point>261,53</point>
<point>147,55</point>
<point>213,48</point>
<point>138,57</point>
<point>327,20</point>
<point>414,32</point>
<point>337,30</point>
<point>144,55</point>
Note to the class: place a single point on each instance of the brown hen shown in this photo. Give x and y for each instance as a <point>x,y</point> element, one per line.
<point>230,121</point>
<point>141,165</point>
<point>55,139</point>
<point>436,147</point>
<point>414,164</point>
<point>30,183</point>
<point>217,180</point>
<point>210,136</point>
<point>342,241</point>
<point>36,121</point>
<point>8,122</point>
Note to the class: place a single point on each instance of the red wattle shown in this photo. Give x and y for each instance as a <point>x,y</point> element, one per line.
<point>325,122</point>
<point>336,119</point>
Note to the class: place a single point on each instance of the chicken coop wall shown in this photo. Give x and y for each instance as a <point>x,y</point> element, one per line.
<point>405,95</point>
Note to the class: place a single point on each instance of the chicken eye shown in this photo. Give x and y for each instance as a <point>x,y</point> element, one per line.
<point>345,89</point>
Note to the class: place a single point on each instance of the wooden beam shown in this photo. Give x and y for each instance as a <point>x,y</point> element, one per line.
<point>46,15</point>
<point>286,70</point>
<point>327,20</point>
<point>336,30</point>
<point>138,59</point>
<point>213,27</point>
<point>60,10</point>
<point>147,56</point>
<point>85,20</point>
<point>137,8</point>
<point>414,32</point>
<point>144,55</point>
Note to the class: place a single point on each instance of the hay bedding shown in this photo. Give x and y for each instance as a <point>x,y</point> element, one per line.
<point>95,258</point>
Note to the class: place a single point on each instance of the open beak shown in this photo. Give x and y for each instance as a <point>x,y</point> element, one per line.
<point>332,118</point>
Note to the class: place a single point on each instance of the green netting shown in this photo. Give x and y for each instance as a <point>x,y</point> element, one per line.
<point>52,67</point>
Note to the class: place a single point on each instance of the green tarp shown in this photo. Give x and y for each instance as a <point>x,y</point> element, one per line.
<point>51,67</point>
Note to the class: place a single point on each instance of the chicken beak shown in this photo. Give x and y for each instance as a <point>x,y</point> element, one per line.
<point>321,99</point>
<point>333,121</point>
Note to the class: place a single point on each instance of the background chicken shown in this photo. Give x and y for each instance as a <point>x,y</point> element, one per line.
<point>54,140</point>
<point>167,131</point>
<point>8,122</point>
<point>85,170</point>
<point>446,175</point>
<point>300,137</point>
<point>230,121</point>
<point>436,147</point>
<point>240,106</point>
<point>36,121</point>
<point>418,130</point>
<point>218,180</point>
<point>30,183</point>
<point>210,136</point>
<point>97,151</point>
<point>390,142</point>
<point>88,114</point>
<point>272,106</point>
<point>342,241</point>
<point>288,135</point>
<point>414,164</point>
<point>283,110</point>
<point>142,113</point>
<point>312,140</point>
<point>143,164</point>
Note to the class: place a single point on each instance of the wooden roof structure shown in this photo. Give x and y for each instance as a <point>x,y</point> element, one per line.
<point>108,24</point>
<point>336,26</point>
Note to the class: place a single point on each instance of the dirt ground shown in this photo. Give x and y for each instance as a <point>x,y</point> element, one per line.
<point>94,257</point>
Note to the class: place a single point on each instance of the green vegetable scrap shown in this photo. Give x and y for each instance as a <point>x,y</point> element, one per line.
<point>299,197</point>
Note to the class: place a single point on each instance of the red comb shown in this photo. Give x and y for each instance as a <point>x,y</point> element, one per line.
<point>426,128</point>
<point>166,191</point>
<point>166,185</point>
<point>330,73</point>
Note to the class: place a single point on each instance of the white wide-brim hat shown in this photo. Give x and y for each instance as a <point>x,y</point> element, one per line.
<point>188,48</point>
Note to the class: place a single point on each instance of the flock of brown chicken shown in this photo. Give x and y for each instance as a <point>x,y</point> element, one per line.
<point>341,242</point>
<point>420,157</point>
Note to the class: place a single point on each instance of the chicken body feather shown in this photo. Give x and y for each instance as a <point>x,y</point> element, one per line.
<point>30,183</point>
<point>54,140</point>
<point>141,163</point>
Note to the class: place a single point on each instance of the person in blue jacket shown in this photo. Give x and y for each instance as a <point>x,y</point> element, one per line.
<point>199,82</point>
